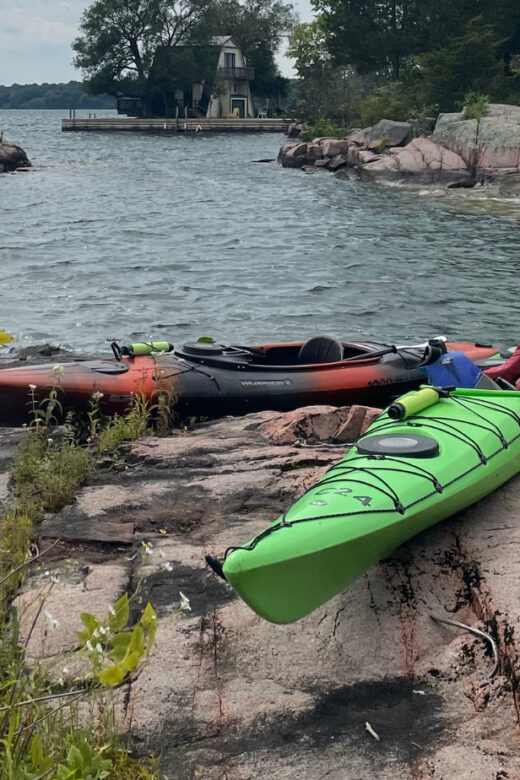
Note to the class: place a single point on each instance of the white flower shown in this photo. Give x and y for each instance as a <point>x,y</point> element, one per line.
<point>57,369</point>
<point>32,387</point>
<point>65,670</point>
<point>97,396</point>
<point>50,441</point>
<point>185,602</point>
<point>99,649</point>
<point>168,566</point>
<point>88,645</point>
<point>148,547</point>
<point>51,622</point>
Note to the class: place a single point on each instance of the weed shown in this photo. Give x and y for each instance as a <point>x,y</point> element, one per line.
<point>383,143</point>
<point>41,731</point>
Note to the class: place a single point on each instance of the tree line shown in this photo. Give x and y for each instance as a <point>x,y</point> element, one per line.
<point>39,96</point>
<point>119,43</point>
<point>360,60</point>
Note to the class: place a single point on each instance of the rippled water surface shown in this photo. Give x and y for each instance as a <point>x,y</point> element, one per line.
<point>131,236</point>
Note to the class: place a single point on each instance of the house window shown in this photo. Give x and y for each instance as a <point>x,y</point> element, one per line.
<point>229,60</point>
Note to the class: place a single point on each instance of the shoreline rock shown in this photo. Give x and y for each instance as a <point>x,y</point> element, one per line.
<point>227,695</point>
<point>460,153</point>
<point>12,157</point>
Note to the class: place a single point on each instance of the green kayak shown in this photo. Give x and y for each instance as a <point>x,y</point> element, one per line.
<point>443,454</point>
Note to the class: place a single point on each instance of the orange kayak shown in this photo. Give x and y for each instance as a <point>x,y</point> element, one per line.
<point>208,379</point>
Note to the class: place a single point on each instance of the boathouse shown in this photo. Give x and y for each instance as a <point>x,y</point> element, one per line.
<point>196,81</point>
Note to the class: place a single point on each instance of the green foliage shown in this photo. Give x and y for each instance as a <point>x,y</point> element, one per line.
<point>307,47</point>
<point>115,652</point>
<point>397,100</point>
<point>36,740</point>
<point>325,128</point>
<point>475,105</point>
<point>64,96</point>
<point>124,45</point>
<point>132,425</point>
<point>468,63</point>
<point>83,763</point>
<point>48,473</point>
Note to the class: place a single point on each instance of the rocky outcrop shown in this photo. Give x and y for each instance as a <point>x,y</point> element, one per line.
<point>12,157</point>
<point>490,146</point>
<point>228,696</point>
<point>392,133</point>
<point>421,160</point>
<point>460,153</point>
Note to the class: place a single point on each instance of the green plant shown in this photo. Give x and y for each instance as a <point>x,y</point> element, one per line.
<point>132,425</point>
<point>475,105</point>
<point>41,733</point>
<point>115,652</point>
<point>325,128</point>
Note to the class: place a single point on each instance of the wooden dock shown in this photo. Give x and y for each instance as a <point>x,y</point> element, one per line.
<point>180,125</point>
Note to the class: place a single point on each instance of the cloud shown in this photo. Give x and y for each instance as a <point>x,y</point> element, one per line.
<point>33,29</point>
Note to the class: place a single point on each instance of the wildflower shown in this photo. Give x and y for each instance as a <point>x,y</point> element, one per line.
<point>148,548</point>
<point>32,387</point>
<point>97,396</point>
<point>167,566</point>
<point>50,441</point>
<point>99,649</point>
<point>57,369</point>
<point>88,645</point>
<point>65,670</point>
<point>185,602</point>
<point>52,623</point>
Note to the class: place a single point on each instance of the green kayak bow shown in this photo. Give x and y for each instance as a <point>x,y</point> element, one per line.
<point>434,456</point>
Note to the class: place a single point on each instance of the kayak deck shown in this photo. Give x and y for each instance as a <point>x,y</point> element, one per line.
<point>368,504</point>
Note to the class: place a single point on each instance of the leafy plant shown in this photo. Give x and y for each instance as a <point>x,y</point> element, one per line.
<point>116,652</point>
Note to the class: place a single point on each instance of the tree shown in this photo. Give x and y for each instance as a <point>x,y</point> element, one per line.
<point>258,26</point>
<point>372,35</point>
<point>468,63</point>
<point>119,38</point>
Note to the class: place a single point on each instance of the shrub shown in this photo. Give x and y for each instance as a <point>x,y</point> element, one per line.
<point>475,105</point>
<point>325,128</point>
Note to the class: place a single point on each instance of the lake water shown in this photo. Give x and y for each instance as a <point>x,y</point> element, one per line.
<point>136,236</point>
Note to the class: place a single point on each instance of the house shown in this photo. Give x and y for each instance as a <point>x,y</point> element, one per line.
<point>206,80</point>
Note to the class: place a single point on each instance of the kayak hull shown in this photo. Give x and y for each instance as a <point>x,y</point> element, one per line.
<point>366,506</point>
<point>238,381</point>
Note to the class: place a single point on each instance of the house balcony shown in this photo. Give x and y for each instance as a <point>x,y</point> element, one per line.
<point>236,74</point>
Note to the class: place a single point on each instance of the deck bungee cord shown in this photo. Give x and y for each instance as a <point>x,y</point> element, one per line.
<point>344,474</point>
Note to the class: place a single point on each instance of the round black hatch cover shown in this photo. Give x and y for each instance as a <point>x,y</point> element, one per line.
<point>202,348</point>
<point>411,444</point>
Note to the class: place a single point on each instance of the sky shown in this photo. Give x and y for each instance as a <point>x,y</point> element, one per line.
<point>35,38</point>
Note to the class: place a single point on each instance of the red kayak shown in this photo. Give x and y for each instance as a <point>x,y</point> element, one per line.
<point>208,379</point>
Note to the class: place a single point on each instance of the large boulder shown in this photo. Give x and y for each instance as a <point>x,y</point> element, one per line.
<point>12,157</point>
<point>293,156</point>
<point>422,161</point>
<point>224,694</point>
<point>458,134</point>
<point>491,145</point>
<point>392,133</point>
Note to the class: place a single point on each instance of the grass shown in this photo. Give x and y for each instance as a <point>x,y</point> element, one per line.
<point>42,737</point>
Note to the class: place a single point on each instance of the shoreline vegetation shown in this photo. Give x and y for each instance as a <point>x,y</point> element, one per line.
<point>54,723</point>
<point>52,96</point>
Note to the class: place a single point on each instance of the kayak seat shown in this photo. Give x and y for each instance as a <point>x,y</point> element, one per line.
<point>321,349</point>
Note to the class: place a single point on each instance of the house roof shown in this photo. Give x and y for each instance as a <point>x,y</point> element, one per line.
<point>221,40</point>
